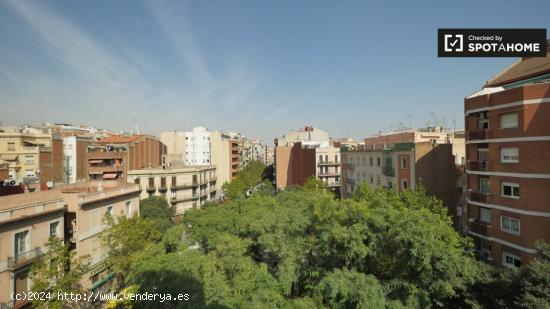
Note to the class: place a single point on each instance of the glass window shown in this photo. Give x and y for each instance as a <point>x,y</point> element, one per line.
<point>485,215</point>
<point>484,185</point>
<point>509,155</point>
<point>54,228</point>
<point>21,242</point>
<point>403,163</point>
<point>509,120</point>
<point>511,260</point>
<point>510,225</point>
<point>510,189</point>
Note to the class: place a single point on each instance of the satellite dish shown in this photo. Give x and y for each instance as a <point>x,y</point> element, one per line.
<point>49,184</point>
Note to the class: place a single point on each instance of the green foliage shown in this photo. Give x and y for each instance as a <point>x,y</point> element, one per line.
<point>303,249</point>
<point>124,238</point>
<point>58,270</point>
<point>157,210</point>
<point>252,175</point>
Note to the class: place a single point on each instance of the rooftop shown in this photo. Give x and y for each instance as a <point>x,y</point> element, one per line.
<point>522,69</point>
<point>26,199</point>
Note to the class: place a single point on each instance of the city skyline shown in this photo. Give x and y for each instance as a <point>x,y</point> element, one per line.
<point>256,69</point>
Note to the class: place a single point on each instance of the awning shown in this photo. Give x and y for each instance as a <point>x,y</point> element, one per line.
<point>96,161</point>
<point>109,176</point>
<point>9,157</point>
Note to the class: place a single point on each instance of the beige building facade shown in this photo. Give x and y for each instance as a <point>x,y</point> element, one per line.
<point>26,223</point>
<point>184,187</point>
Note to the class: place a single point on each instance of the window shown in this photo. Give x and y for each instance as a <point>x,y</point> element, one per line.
<point>370,161</point>
<point>485,245</point>
<point>509,155</point>
<point>484,215</point>
<point>403,163</point>
<point>510,225</point>
<point>371,179</point>
<point>109,211</point>
<point>54,228</point>
<point>511,260</point>
<point>320,158</point>
<point>404,184</point>
<point>510,190</point>
<point>484,185</point>
<point>509,120</point>
<point>336,158</point>
<point>29,159</point>
<point>377,161</point>
<point>128,208</point>
<point>11,146</point>
<point>21,242</point>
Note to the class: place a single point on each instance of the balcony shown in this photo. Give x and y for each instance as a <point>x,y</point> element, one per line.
<point>184,198</point>
<point>329,174</point>
<point>478,134</point>
<point>479,165</point>
<point>100,169</point>
<point>23,258</point>
<point>151,188</point>
<point>335,184</point>
<point>328,163</point>
<point>479,227</point>
<point>480,197</point>
<point>388,171</point>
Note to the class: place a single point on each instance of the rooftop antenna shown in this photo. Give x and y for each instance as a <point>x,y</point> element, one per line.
<point>410,121</point>
<point>433,119</point>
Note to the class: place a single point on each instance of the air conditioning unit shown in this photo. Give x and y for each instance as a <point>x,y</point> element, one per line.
<point>11,183</point>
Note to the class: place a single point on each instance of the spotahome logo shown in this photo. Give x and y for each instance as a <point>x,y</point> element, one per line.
<point>491,42</point>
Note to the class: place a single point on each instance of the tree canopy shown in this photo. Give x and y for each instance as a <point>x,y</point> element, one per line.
<point>254,174</point>
<point>302,248</point>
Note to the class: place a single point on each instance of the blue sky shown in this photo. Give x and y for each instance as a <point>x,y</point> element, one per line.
<point>257,67</point>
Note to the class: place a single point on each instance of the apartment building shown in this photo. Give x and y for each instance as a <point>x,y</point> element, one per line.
<point>87,205</point>
<point>175,145</point>
<point>197,147</point>
<point>111,157</point>
<point>507,152</point>
<point>403,167</point>
<point>304,153</point>
<point>74,158</point>
<point>34,156</point>
<point>255,150</point>
<point>226,152</point>
<point>184,187</point>
<point>26,223</point>
<point>203,148</point>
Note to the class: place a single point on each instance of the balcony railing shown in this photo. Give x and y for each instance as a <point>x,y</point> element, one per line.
<point>329,174</point>
<point>388,171</point>
<point>479,165</point>
<point>478,134</point>
<point>23,257</point>
<point>480,197</point>
<point>479,227</point>
<point>329,163</point>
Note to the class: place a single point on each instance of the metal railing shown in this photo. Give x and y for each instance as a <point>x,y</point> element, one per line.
<point>479,165</point>
<point>23,256</point>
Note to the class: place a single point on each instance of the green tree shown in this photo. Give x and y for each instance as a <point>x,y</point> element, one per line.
<point>246,179</point>
<point>58,270</point>
<point>123,238</point>
<point>157,210</point>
